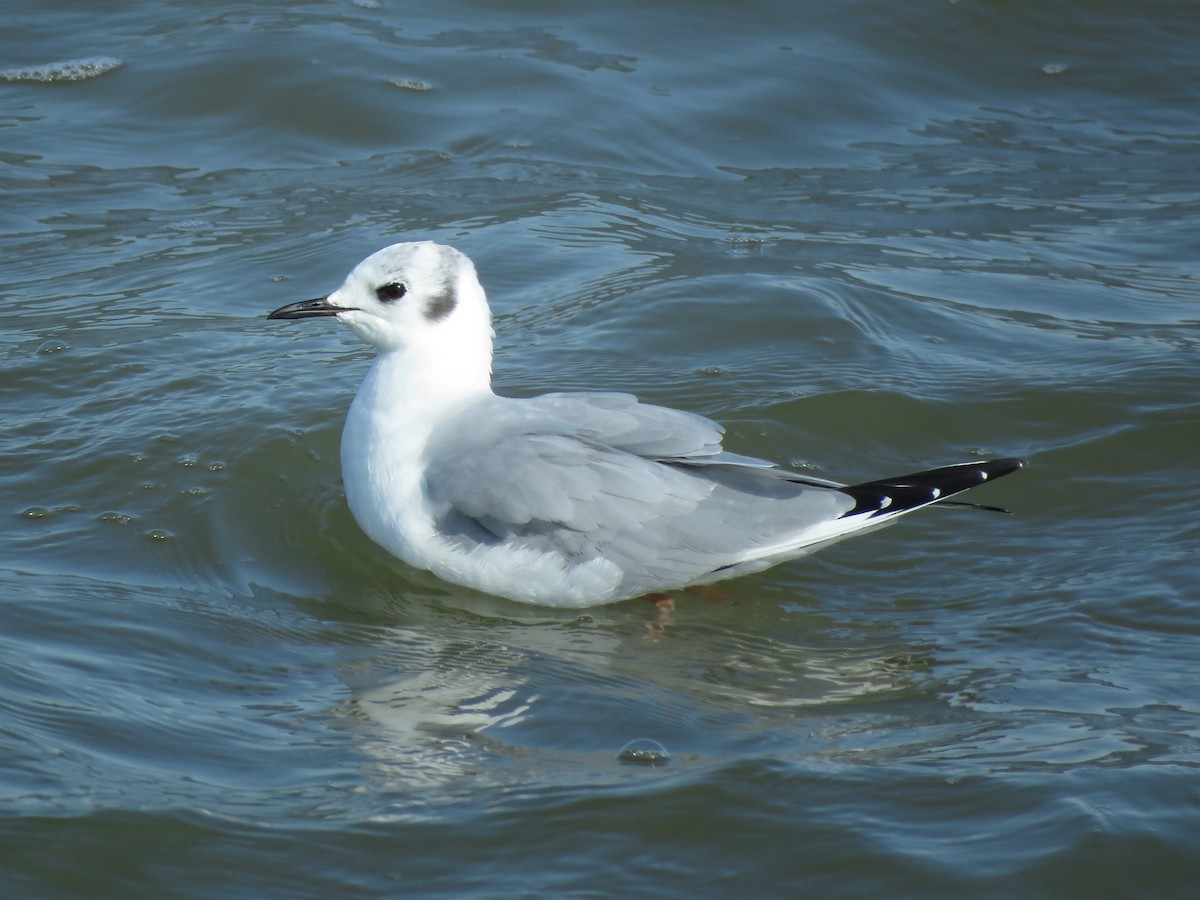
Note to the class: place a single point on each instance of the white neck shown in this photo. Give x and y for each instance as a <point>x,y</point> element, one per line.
<point>427,382</point>
<point>407,392</point>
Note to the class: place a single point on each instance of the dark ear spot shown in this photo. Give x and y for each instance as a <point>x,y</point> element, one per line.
<point>441,305</point>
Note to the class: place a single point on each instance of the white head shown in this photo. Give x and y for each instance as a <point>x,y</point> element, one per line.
<point>416,298</point>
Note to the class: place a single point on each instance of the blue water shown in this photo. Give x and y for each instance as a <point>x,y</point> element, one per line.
<point>867,237</point>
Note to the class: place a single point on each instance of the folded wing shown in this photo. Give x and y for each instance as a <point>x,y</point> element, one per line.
<point>588,476</point>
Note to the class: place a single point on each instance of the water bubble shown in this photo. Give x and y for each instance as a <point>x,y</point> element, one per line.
<point>644,752</point>
<point>160,534</point>
<point>745,242</point>
<point>1054,68</point>
<point>411,84</point>
<point>115,517</point>
<point>42,512</point>
<point>52,346</point>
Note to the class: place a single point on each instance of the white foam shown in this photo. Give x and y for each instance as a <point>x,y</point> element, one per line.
<point>67,70</point>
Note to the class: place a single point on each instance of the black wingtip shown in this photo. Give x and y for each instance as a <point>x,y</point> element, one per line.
<point>890,496</point>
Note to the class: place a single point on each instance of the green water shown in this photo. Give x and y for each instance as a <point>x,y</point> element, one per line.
<point>867,237</point>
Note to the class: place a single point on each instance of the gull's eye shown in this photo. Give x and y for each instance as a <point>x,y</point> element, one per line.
<point>393,290</point>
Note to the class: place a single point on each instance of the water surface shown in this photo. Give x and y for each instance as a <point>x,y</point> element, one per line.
<point>868,237</point>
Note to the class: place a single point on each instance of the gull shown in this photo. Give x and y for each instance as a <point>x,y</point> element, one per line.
<point>564,499</point>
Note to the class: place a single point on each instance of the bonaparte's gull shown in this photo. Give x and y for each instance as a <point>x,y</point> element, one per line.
<point>564,499</point>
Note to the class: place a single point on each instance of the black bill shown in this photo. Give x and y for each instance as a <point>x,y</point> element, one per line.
<point>307,309</point>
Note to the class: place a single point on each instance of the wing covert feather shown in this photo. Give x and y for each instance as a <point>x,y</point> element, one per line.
<point>557,474</point>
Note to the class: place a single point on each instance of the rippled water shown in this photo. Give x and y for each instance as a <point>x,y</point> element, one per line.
<point>867,236</point>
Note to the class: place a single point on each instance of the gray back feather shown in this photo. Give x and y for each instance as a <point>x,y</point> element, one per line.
<point>587,475</point>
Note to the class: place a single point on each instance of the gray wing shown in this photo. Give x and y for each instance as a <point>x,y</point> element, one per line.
<point>655,432</point>
<point>625,423</point>
<point>601,475</point>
